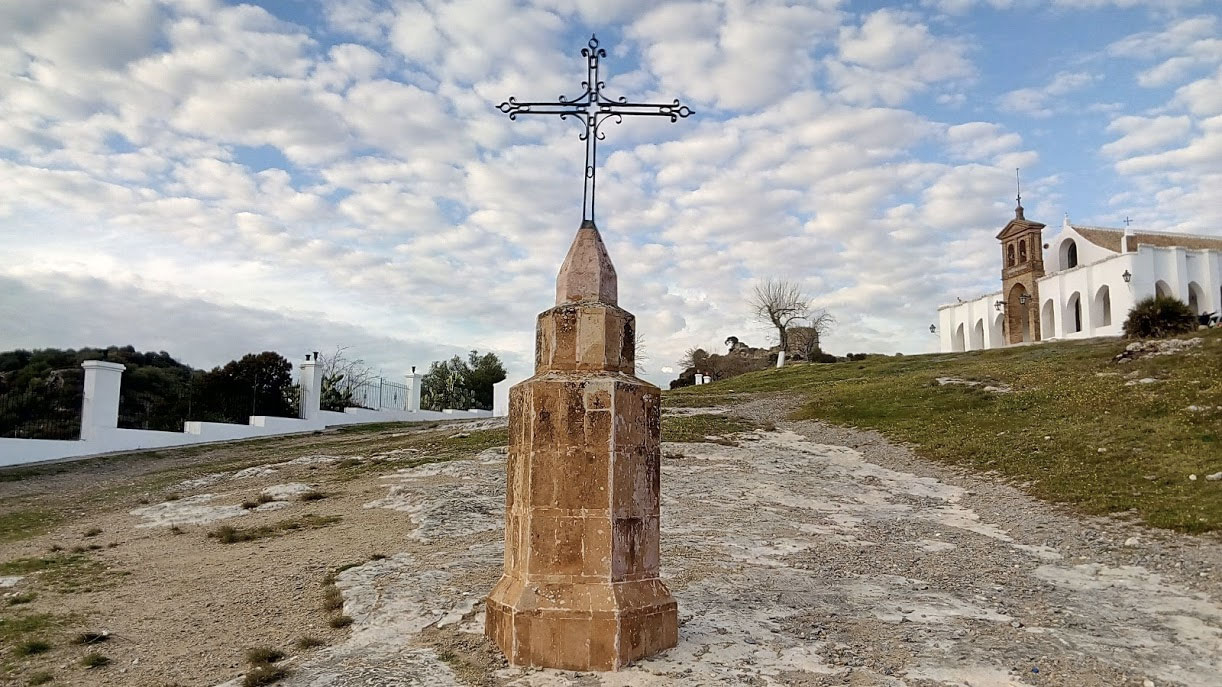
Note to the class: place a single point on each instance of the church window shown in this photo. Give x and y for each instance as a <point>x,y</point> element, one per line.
<point>1069,254</point>
<point>1010,256</point>
<point>1022,251</point>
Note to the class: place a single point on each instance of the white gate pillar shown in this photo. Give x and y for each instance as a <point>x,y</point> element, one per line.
<point>780,359</point>
<point>100,401</point>
<point>310,380</point>
<point>413,390</point>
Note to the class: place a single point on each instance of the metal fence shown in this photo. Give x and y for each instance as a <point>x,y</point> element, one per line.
<point>374,394</point>
<point>50,412</point>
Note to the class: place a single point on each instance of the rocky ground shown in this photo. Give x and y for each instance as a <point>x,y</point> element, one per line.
<point>807,555</point>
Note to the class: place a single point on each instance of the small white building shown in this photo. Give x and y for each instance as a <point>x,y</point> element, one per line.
<point>1094,276</point>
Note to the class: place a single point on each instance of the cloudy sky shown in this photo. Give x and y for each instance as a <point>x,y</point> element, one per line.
<point>211,179</point>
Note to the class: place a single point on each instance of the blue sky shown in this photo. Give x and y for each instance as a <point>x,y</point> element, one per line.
<point>214,178</point>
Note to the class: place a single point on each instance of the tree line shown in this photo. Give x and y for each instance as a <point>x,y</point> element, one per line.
<point>157,392</point>
<point>41,389</point>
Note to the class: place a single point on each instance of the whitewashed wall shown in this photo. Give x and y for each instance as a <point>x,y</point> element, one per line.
<point>1192,276</point>
<point>100,418</point>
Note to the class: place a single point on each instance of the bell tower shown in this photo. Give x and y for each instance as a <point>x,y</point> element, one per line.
<point>1022,264</point>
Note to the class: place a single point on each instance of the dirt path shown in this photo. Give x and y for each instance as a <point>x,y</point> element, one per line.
<point>809,555</point>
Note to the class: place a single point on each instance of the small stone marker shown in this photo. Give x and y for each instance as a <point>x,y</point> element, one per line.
<point>581,589</point>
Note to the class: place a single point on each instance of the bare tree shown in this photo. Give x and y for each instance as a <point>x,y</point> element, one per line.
<point>340,375</point>
<point>693,357</point>
<point>806,339</point>
<point>781,303</point>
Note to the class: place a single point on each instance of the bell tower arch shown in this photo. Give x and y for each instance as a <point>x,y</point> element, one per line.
<point>1022,264</point>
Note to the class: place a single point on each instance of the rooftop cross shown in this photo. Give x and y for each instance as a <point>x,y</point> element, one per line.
<point>1127,220</point>
<point>594,108</point>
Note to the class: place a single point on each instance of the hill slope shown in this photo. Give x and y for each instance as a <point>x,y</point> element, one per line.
<point>1064,420</point>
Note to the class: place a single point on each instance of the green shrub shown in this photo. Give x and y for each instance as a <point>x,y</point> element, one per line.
<point>1158,317</point>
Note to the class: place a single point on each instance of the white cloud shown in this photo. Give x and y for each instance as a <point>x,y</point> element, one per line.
<point>892,56</point>
<point>980,140</point>
<point>1042,101</point>
<point>1143,133</point>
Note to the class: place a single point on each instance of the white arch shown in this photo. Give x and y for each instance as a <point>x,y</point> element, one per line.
<point>1068,254</point>
<point>1196,299</point>
<point>957,343</point>
<point>1048,320</point>
<point>1162,289</point>
<point>1101,308</point>
<point>978,335</point>
<point>1073,313</point>
<point>997,330</point>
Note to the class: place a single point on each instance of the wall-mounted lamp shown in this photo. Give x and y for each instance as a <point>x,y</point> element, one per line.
<point>933,329</point>
<point>1126,277</point>
<point>999,305</point>
<point>1023,299</point>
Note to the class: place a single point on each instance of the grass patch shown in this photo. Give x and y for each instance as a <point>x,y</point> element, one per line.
<point>14,628</point>
<point>332,598</point>
<point>262,669</point>
<point>90,638</point>
<point>32,647</point>
<point>312,495</point>
<point>95,660</point>
<point>93,532</point>
<point>24,524</point>
<point>309,642</point>
<point>697,428</point>
<point>264,674</point>
<point>339,622</point>
<point>228,534</point>
<point>70,572</point>
<point>1071,392</point>
<point>42,677</point>
<point>22,598</point>
<point>263,654</point>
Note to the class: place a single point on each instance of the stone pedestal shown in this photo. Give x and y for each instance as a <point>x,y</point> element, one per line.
<point>581,587</point>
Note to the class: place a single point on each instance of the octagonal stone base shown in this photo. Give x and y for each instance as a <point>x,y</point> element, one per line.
<point>599,626</point>
<point>581,587</point>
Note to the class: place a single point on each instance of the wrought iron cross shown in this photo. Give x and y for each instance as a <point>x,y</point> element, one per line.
<point>593,108</point>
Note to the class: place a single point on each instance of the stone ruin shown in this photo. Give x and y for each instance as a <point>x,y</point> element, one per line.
<point>581,587</point>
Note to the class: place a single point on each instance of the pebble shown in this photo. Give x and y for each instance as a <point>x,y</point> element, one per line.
<point>1132,541</point>
<point>1216,477</point>
<point>1192,478</point>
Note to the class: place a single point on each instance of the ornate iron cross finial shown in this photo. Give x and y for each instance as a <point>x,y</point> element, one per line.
<point>593,108</point>
<point>1127,220</point>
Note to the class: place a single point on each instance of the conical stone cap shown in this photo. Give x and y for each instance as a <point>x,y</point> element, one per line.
<point>587,273</point>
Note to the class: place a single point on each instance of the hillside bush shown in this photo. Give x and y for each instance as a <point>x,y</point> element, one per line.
<point>1157,317</point>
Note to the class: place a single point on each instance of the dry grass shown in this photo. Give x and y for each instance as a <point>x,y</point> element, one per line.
<point>307,642</point>
<point>228,534</point>
<point>95,660</point>
<point>257,501</point>
<point>32,647</point>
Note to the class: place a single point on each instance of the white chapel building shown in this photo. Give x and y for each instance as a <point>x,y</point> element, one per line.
<point>1082,282</point>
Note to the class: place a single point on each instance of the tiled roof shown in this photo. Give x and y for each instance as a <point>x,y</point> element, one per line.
<point>1106,237</point>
